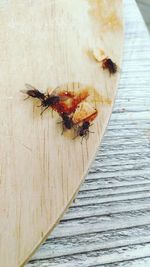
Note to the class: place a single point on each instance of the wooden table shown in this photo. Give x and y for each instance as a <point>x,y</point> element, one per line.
<point>109,223</point>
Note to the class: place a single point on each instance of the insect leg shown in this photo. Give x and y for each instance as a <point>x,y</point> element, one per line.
<point>40,106</point>
<point>43,111</point>
<point>82,139</point>
<point>87,136</point>
<point>63,129</point>
<point>26,98</point>
<point>75,137</point>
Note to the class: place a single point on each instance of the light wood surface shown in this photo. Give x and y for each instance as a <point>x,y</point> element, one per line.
<point>46,44</point>
<point>109,223</point>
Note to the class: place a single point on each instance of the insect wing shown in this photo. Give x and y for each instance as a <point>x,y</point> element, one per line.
<point>30,87</point>
<point>24,91</point>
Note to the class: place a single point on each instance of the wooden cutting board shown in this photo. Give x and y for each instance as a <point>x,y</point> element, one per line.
<point>47,44</point>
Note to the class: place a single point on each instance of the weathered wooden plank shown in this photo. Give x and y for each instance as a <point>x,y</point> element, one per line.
<point>103,240</point>
<point>107,208</point>
<point>106,222</point>
<point>144,6</point>
<point>111,198</point>
<point>140,262</point>
<point>113,182</point>
<point>98,257</point>
<point>99,190</point>
<point>120,175</point>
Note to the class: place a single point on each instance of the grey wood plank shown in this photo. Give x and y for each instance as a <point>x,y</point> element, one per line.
<point>103,256</point>
<point>142,262</point>
<point>98,191</point>
<point>144,6</point>
<point>81,244</point>
<point>90,210</point>
<point>102,223</point>
<point>109,223</point>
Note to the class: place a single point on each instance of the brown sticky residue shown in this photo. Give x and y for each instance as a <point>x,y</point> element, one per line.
<point>90,55</point>
<point>92,117</point>
<point>105,12</point>
<point>96,97</point>
<point>70,100</point>
<point>82,94</point>
<point>103,100</point>
<point>81,102</point>
<point>84,111</point>
<point>112,21</point>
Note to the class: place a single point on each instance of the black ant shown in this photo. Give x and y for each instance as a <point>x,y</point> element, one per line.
<point>83,131</point>
<point>46,100</point>
<point>67,122</point>
<point>53,100</point>
<point>108,64</point>
<point>50,101</point>
<point>33,92</point>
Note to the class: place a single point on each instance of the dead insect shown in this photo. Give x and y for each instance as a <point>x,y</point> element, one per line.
<point>33,92</point>
<point>67,121</point>
<point>49,101</point>
<point>108,64</point>
<point>56,102</point>
<point>83,130</point>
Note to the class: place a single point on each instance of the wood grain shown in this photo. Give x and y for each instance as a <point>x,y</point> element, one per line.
<point>45,43</point>
<point>109,223</point>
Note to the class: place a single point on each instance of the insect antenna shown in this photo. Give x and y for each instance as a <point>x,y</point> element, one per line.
<point>63,129</point>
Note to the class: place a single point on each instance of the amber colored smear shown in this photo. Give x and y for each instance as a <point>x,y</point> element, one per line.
<point>70,104</point>
<point>91,55</point>
<point>108,18</point>
<point>97,97</point>
<point>92,117</point>
<point>102,100</point>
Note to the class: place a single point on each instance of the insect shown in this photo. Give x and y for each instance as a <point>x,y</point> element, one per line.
<point>49,101</point>
<point>83,130</point>
<point>33,92</point>
<point>58,102</point>
<point>108,64</point>
<point>55,101</point>
<point>67,122</point>
<point>46,99</point>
